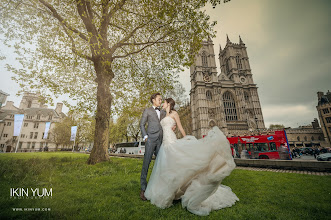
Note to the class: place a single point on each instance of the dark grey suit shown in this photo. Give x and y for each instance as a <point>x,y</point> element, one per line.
<point>154,141</point>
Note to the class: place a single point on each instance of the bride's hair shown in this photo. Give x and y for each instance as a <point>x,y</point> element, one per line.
<point>172,104</point>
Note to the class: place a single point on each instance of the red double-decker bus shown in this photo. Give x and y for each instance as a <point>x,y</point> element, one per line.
<point>271,146</point>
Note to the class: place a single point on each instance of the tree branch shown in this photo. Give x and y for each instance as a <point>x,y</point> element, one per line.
<point>143,48</point>
<point>73,45</point>
<point>119,44</point>
<point>61,20</point>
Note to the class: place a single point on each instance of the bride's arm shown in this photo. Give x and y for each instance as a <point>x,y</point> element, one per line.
<point>179,125</point>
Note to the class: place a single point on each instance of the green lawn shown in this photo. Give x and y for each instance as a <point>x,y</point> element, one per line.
<point>110,190</point>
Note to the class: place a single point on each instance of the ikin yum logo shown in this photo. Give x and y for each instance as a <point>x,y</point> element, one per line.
<point>30,193</point>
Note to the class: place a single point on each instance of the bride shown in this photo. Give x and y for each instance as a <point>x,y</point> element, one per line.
<point>191,169</point>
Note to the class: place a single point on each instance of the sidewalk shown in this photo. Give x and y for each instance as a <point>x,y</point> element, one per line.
<point>285,171</point>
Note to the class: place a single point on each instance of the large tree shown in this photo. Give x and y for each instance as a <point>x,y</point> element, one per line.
<point>91,49</point>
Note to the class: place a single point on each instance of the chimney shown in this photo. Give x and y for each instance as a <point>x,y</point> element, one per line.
<point>58,108</point>
<point>315,124</point>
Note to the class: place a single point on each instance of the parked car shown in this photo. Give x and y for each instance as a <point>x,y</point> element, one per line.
<point>306,150</point>
<point>324,157</point>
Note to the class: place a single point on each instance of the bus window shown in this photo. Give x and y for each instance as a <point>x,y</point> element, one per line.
<point>249,147</point>
<point>261,146</point>
<point>272,146</point>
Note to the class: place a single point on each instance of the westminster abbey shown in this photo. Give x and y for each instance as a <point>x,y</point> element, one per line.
<point>228,100</point>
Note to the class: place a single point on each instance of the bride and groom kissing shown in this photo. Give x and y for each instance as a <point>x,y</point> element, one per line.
<point>189,169</point>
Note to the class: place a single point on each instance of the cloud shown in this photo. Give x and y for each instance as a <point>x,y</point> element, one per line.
<point>288,45</point>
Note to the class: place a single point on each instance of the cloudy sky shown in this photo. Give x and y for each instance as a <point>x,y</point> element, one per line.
<point>289,48</point>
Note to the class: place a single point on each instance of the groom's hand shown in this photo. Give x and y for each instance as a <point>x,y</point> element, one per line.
<point>174,128</point>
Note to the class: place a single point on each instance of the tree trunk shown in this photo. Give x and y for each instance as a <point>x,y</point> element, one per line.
<point>100,148</point>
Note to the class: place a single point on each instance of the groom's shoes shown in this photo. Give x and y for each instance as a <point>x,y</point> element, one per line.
<point>142,196</point>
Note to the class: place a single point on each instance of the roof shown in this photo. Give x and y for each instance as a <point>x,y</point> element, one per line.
<point>31,111</point>
<point>41,111</point>
<point>3,93</point>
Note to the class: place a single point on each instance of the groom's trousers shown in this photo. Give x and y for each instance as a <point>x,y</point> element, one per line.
<point>152,146</point>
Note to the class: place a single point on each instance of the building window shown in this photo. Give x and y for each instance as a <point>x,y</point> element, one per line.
<point>31,135</point>
<point>26,124</point>
<point>11,116</point>
<point>328,120</point>
<point>229,107</point>
<point>238,61</point>
<point>246,97</point>
<point>227,66</point>
<point>20,145</point>
<point>325,111</point>
<point>320,138</point>
<point>8,123</point>
<point>28,145</point>
<point>35,135</point>
<point>22,135</point>
<point>312,138</point>
<point>41,145</point>
<point>38,117</point>
<point>29,104</point>
<point>29,117</point>
<point>36,125</point>
<point>50,117</point>
<point>209,95</point>
<point>204,59</point>
<point>33,145</point>
<point>306,138</point>
<point>298,138</point>
<point>5,135</point>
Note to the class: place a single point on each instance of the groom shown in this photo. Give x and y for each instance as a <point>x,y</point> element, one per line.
<point>153,137</point>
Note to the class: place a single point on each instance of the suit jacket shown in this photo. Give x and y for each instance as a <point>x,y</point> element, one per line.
<point>154,127</point>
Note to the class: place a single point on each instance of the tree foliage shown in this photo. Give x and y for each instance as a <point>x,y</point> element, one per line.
<point>276,126</point>
<point>102,53</point>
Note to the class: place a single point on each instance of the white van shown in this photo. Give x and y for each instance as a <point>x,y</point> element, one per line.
<point>137,148</point>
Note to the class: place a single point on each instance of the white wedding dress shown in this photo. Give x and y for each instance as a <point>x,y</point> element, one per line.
<point>192,170</point>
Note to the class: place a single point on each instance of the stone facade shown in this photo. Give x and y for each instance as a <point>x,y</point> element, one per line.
<point>324,114</point>
<point>36,114</point>
<point>228,100</point>
<point>306,136</point>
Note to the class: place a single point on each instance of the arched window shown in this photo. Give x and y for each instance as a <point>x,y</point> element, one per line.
<point>230,107</point>
<point>238,61</point>
<point>298,138</point>
<point>29,104</point>
<point>305,138</point>
<point>227,66</point>
<point>204,59</point>
<point>312,138</point>
<point>209,95</point>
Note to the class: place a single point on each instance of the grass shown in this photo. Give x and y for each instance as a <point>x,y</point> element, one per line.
<point>110,190</point>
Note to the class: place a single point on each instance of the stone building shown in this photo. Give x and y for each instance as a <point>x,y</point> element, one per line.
<point>324,113</point>
<point>306,136</point>
<point>228,100</point>
<point>36,114</point>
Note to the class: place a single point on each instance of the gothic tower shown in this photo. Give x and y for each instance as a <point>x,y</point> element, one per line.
<point>228,100</point>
